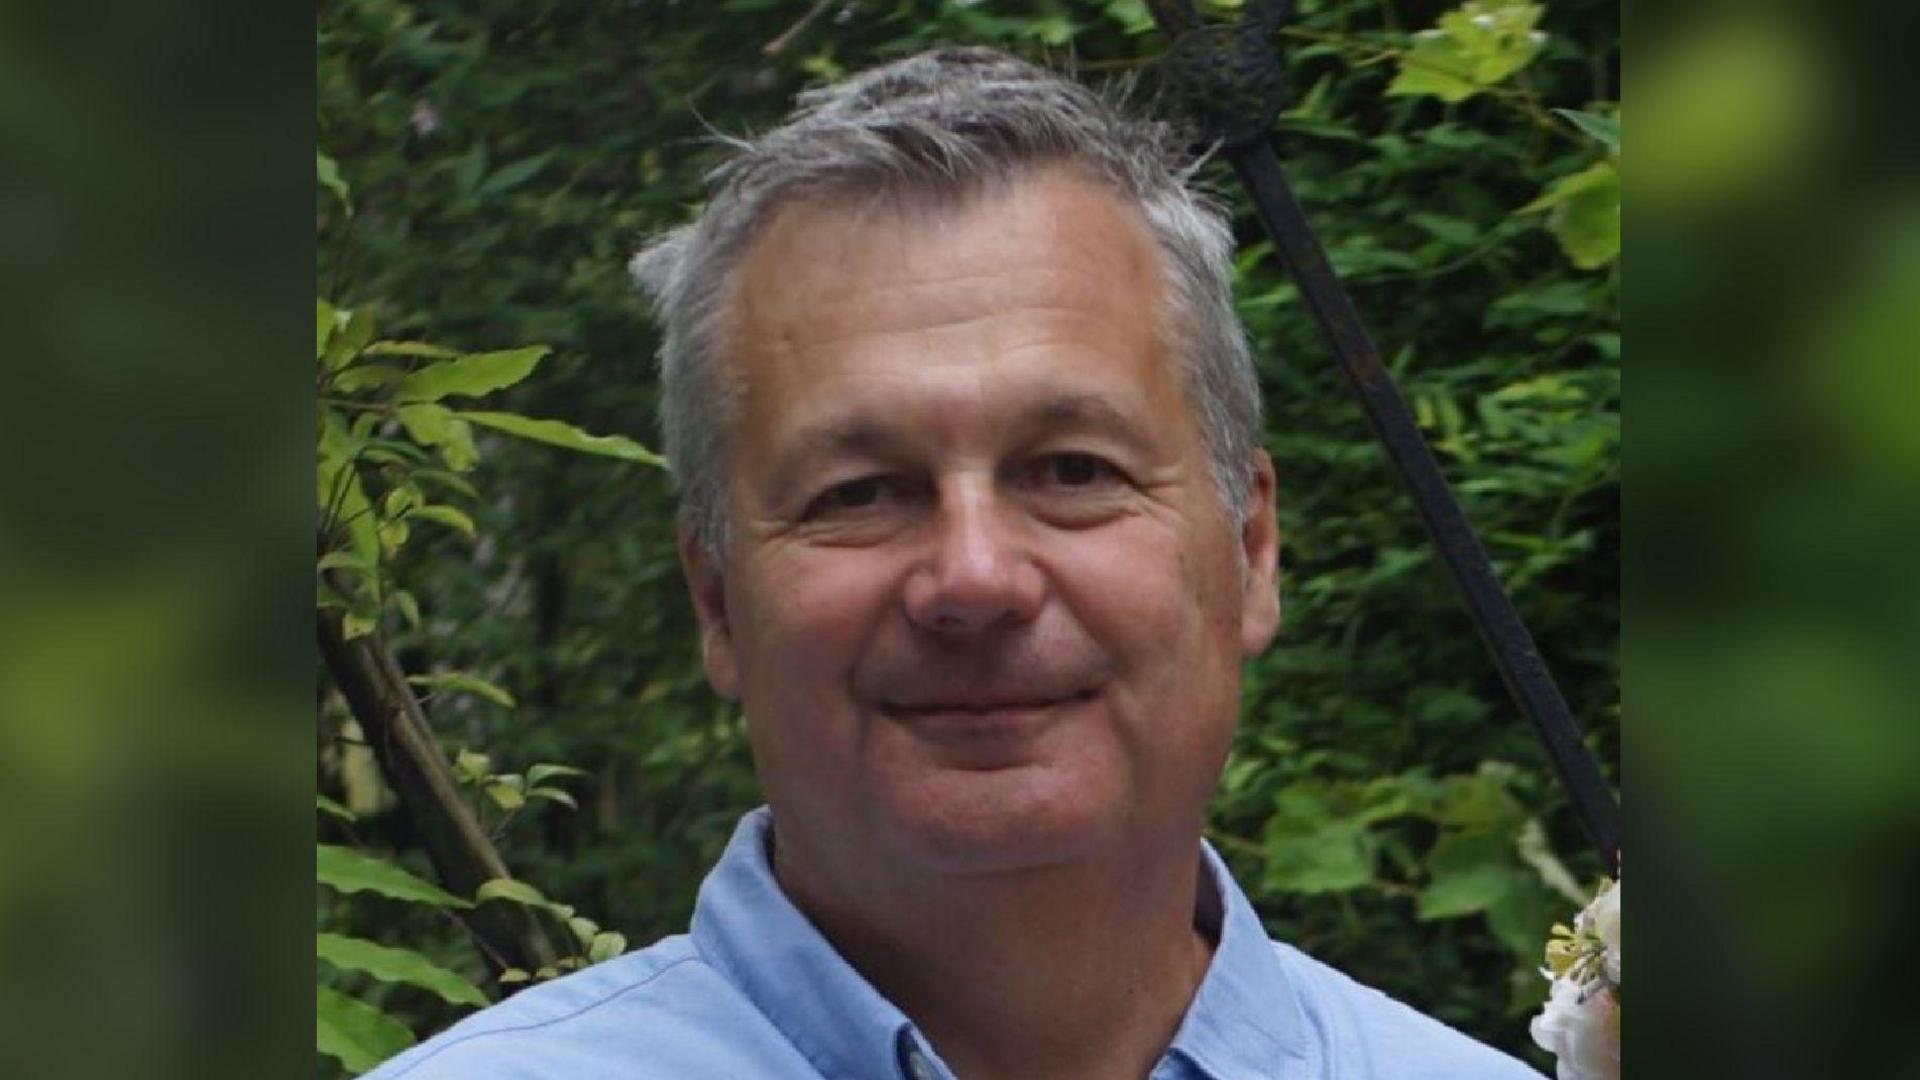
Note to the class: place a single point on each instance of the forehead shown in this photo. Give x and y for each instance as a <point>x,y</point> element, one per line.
<point>1041,269</point>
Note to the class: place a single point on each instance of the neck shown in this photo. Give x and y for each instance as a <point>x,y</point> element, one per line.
<point>1076,971</point>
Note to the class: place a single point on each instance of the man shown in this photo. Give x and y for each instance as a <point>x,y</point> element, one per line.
<point>979,532</point>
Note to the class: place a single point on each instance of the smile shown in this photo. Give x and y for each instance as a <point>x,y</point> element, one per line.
<point>983,719</point>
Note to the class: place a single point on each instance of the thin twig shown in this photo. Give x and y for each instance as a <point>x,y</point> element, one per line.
<point>774,47</point>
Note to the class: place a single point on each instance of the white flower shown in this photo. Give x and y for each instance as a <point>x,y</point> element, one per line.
<point>424,118</point>
<point>1580,1027</point>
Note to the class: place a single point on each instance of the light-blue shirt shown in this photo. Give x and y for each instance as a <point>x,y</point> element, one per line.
<point>755,991</point>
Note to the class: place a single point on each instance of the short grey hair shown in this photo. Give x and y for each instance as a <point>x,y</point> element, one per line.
<point>943,124</point>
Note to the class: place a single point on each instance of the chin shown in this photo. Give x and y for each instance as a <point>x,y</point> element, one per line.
<point>1000,821</point>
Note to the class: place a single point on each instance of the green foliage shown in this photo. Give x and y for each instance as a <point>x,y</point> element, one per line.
<point>356,1033</point>
<point>1474,49</point>
<point>349,871</point>
<point>1385,805</point>
<point>396,965</point>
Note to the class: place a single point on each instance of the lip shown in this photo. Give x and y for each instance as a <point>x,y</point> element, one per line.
<point>986,720</point>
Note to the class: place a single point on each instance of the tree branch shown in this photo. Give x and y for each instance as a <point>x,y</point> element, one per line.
<point>463,856</point>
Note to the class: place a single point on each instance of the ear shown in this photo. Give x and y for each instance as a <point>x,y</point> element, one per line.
<point>708,586</point>
<point>1260,546</point>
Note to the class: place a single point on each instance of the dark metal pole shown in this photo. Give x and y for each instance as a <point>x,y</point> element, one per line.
<point>1242,65</point>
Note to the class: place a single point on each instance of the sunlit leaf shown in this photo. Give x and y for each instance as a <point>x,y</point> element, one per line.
<point>565,435</point>
<point>518,892</point>
<point>419,349</point>
<point>472,376</point>
<point>554,794</point>
<point>349,871</point>
<point>329,806</point>
<point>1583,213</point>
<point>1472,48</point>
<point>471,765</point>
<point>544,771</point>
<point>445,515</point>
<point>463,681</point>
<point>606,945</point>
<point>327,172</point>
<point>389,964</point>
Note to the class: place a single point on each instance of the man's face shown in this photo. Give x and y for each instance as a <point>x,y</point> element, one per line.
<point>982,602</point>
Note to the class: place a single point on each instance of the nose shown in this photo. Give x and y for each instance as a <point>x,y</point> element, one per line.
<point>977,573</point>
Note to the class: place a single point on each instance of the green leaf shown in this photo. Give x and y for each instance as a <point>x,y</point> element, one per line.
<point>545,770</point>
<point>1471,49</point>
<point>353,331</point>
<point>323,325</point>
<point>334,808</point>
<point>606,945</point>
<point>1521,918</point>
<point>511,176</point>
<point>349,871</point>
<point>450,480</point>
<point>343,560</point>
<point>1604,128</point>
<point>409,607</point>
<point>357,624</point>
<point>396,966</point>
<point>445,515</point>
<point>393,537</point>
<point>411,348</point>
<point>518,892</point>
<point>506,794</point>
<point>1470,872</point>
<point>1584,214</point>
<point>1335,857</point>
<point>472,376</point>
<point>565,435</point>
<point>471,765</point>
<point>514,975</point>
<point>1476,801</point>
<point>436,425</point>
<point>462,681</point>
<point>583,929</point>
<point>364,376</point>
<point>327,172</point>
<point>554,794</point>
<point>356,1033</point>
<point>1132,15</point>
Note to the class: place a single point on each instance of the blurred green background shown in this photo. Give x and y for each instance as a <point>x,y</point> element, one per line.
<point>157,680</point>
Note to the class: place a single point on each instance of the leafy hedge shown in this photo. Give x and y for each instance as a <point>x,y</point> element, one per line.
<point>488,167</point>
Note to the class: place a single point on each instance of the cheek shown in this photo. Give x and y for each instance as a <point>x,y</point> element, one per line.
<point>802,623</point>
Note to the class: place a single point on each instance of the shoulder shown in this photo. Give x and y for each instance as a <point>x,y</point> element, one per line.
<point>1363,1032</point>
<point>660,1012</point>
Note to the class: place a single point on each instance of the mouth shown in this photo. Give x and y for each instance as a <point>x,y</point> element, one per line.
<point>983,717</point>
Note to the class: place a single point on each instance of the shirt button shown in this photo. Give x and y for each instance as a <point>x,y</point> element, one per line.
<point>918,1066</point>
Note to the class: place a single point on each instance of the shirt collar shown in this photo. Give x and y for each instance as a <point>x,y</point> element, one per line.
<point>744,925</point>
<point>1245,1019</point>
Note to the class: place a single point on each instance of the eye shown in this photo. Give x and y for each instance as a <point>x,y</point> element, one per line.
<point>852,496</point>
<point>1073,470</point>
